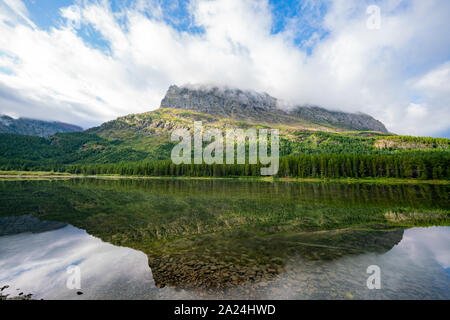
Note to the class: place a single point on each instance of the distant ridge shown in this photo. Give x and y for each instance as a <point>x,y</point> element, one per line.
<point>255,106</point>
<point>33,127</point>
<point>353,121</point>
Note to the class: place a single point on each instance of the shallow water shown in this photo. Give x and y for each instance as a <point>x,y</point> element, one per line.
<point>418,267</point>
<point>167,239</point>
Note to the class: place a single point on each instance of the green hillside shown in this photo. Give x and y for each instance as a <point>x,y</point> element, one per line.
<point>142,138</point>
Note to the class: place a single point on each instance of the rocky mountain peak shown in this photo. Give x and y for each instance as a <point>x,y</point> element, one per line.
<point>250,105</point>
<point>218,101</point>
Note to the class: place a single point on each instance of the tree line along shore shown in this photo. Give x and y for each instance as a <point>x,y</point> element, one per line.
<point>424,166</point>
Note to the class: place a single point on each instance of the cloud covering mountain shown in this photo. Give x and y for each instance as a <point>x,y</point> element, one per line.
<point>92,61</point>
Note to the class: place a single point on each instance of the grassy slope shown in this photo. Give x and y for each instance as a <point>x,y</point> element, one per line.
<point>147,136</point>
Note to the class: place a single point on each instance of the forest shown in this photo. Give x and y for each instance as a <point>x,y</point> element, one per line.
<point>406,165</point>
<point>311,155</point>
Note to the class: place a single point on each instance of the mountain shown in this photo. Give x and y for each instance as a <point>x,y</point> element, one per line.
<point>255,106</point>
<point>34,127</point>
<point>304,130</point>
<point>343,120</point>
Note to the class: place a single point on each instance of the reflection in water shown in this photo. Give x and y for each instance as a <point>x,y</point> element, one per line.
<point>414,268</point>
<point>37,264</point>
<point>222,239</point>
<point>26,223</point>
<point>236,259</point>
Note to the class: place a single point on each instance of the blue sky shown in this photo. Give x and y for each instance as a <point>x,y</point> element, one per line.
<point>46,14</point>
<point>89,61</point>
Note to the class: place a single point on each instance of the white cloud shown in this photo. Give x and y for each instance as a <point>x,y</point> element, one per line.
<point>426,244</point>
<point>20,10</point>
<point>436,81</point>
<point>37,263</point>
<point>59,75</point>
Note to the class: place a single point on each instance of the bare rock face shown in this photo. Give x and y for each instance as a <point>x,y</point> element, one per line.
<point>351,121</point>
<point>249,105</point>
<point>218,101</point>
<point>224,102</point>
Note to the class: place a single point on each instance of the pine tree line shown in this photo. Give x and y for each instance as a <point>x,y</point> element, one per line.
<point>407,165</point>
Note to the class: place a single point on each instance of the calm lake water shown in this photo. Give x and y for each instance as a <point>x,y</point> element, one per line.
<point>174,239</point>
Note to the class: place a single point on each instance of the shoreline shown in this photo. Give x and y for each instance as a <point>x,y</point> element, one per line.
<point>30,175</point>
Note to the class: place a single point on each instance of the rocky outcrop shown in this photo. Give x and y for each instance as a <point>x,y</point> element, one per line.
<point>249,105</point>
<point>351,121</point>
<point>218,101</point>
<point>226,103</point>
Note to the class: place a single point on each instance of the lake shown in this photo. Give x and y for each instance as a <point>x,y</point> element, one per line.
<point>216,239</point>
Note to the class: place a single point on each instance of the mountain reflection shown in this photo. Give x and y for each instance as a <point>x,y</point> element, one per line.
<point>222,262</point>
<point>170,239</point>
<point>37,263</point>
<point>413,265</point>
